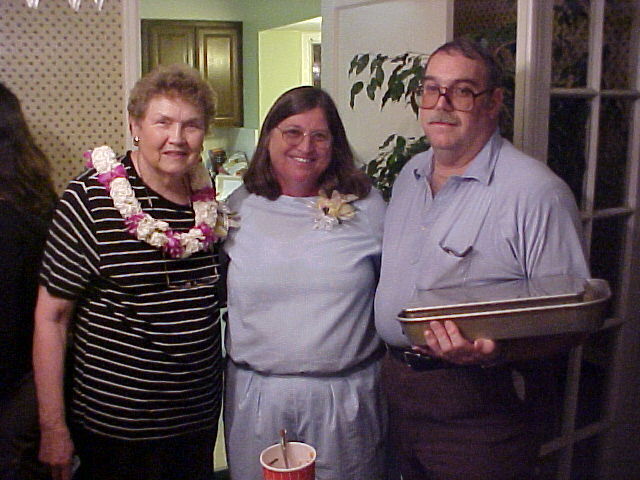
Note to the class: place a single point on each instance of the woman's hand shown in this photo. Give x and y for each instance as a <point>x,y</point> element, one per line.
<point>444,340</point>
<point>56,450</point>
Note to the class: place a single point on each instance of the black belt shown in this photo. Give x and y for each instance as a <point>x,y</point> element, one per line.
<point>419,362</point>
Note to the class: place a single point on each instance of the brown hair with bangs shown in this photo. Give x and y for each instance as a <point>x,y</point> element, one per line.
<point>342,174</point>
<point>173,81</point>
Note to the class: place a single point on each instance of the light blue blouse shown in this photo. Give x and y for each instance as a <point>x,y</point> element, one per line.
<point>508,217</point>
<point>301,300</point>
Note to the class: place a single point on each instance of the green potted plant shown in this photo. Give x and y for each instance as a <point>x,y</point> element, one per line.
<point>403,84</point>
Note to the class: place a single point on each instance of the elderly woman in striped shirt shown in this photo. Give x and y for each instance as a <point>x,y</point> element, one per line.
<point>131,269</point>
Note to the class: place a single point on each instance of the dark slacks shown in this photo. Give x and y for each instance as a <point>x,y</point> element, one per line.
<point>186,457</point>
<point>20,434</point>
<point>452,424</point>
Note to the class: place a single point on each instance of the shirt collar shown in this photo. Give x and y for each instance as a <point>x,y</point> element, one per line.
<point>480,168</point>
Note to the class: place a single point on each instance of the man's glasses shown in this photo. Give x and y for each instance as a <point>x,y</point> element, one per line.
<point>460,98</point>
<point>293,136</point>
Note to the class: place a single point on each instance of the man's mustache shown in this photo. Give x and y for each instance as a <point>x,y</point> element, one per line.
<point>443,117</point>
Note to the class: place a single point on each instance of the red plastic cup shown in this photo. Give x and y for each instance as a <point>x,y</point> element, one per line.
<point>302,462</point>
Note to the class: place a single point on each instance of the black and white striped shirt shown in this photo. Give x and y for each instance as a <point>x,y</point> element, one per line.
<point>146,355</point>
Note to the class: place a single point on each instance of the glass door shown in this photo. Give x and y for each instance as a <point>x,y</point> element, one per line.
<point>593,144</point>
<point>573,68</point>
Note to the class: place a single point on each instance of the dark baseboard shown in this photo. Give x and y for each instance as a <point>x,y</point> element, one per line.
<point>221,475</point>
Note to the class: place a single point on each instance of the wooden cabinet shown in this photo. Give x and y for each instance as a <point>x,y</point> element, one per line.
<point>213,48</point>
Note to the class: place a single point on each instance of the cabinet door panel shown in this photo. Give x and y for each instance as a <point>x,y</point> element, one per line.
<point>167,45</point>
<point>220,66</point>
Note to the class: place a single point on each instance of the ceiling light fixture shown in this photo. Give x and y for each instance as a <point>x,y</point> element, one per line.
<point>75,4</point>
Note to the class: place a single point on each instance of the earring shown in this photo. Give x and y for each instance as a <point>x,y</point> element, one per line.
<point>136,141</point>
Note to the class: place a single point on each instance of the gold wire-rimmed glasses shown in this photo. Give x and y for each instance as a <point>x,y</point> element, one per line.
<point>186,284</point>
<point>461,99</point>
<point>293,136</point>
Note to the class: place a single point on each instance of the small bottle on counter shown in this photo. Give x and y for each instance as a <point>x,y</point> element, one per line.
<point>219,157</point>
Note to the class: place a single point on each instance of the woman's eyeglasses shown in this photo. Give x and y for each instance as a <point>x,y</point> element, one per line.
<point>185,284</point>
<point>293,136</point>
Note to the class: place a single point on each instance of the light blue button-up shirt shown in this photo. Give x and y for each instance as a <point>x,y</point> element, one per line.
<point>508,217</point>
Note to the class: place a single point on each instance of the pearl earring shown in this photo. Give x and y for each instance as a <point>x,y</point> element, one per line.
<point>136,141</point>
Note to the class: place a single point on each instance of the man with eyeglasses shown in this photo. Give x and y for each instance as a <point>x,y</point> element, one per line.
<point>470,210</point>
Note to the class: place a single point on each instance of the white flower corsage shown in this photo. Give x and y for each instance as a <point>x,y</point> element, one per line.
<point>330,212</point>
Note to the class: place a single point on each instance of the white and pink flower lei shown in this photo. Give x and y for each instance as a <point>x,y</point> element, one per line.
<point>212,219</point>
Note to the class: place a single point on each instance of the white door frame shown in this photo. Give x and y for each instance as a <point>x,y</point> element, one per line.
<point>131,52</point>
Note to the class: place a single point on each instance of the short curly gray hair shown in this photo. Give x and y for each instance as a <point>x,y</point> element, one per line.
<point>173,81</point>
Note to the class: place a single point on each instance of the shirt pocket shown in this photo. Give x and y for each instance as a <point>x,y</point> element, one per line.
<point>453,239</point>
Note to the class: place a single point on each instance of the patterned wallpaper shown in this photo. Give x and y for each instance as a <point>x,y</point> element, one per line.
<point>477,15</point>
<point>67,69</point>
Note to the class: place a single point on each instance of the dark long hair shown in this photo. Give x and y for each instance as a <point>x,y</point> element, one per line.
<point>341,174</point>
<point>25,178</point>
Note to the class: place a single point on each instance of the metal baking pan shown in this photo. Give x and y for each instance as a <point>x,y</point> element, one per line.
<point>512,309</point>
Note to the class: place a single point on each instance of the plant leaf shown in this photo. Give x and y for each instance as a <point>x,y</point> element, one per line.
<point>385,98</point>
<point>371,89</point>
<point>396,91</point>
<point>401,142</point>
<point>377,62</point>
<point>387,141</point>
<point>356,88</point>
<point>362,63</point>
<point>354,63</point>
<point>414,103</point>
<point>374,64</point>
<point>380,75</point>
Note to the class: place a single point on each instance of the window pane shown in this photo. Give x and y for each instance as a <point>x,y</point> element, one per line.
<point>493,24</point>
<point>598,352</point>
<point>584,459</point>
<point>567,140</point>
<point>617,66</point>
<point>615,118</point>
<point>607,250</point>
<point>548,467</point>
<point>570,52</point>
<point>546,383</point>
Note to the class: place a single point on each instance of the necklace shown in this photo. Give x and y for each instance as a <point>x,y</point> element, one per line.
<point>212,219</point>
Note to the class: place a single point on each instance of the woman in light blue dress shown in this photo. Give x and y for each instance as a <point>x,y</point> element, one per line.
<point>303,352</point>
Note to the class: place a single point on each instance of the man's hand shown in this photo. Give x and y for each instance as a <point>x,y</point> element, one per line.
<point>444,340</point>
<point>56,450</point>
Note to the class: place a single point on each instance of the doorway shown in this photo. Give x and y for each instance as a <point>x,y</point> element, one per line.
<point>288,57</point>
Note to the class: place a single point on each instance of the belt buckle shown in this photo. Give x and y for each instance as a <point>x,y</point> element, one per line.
<point>414,360</point>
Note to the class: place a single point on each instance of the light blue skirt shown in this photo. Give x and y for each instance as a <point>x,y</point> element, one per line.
<point>342,417</point>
